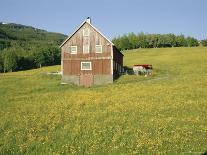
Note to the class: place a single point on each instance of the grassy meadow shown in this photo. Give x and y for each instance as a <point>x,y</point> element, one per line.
<point>165,113</point>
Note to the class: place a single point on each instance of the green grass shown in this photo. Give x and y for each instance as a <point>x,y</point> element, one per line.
<point>165,113</point>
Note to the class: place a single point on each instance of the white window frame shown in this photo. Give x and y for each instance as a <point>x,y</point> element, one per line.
<point>73,52</point>
<point>84,32</point>
<point>88,47</point>
<point>86,62</point>
<point>99,46</point>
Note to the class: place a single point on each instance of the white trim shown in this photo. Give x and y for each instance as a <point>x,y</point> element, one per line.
<point>79,28</point>
<point>86,52</point>
<point>97,46</point>
<point>73,52</point>
<point>61,67</point>
<point>86,62</point>
<point>112,65</point>
<point>62,58</point>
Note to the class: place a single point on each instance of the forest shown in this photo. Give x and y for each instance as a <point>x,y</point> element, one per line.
<point>25,47</point>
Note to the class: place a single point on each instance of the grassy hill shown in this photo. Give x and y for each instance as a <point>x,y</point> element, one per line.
<point>28,46</point>
<point>27,38</point>
<point>165,113</point>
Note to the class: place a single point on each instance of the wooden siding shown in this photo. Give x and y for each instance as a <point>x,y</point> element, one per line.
<point>71,67</point>
<point>79,40</point>
<point>80,56</point>
<point>101,62</point>
<point>99,67</point>
<point>117,56</point>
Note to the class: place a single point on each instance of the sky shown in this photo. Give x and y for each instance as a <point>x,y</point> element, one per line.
<point>111,17</point>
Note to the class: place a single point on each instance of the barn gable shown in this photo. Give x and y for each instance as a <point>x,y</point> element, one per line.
<point>96,38</point>
<point>86,22</point>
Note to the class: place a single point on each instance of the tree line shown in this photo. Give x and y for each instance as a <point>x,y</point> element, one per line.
<point>142,40</point>
<point>14,60</point>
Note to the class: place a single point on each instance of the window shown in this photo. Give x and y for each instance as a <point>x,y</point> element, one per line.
<point>98,48</point>
<point>86,32</point>
<point>86,66</point>
<point>85,48</point>
<point>73,49</point>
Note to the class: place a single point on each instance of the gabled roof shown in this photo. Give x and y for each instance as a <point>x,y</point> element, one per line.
<point>86,21</point>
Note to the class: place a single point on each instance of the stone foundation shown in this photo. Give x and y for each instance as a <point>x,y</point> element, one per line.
<point>97,79</point>
<point>102,79</point>
<point>75,79</point>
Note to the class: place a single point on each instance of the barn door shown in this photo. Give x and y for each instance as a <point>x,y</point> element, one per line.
<point>86,80</point>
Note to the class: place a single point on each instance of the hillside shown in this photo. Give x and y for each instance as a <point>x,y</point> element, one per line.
<point>162,114</point>
<point>25,47</point>
<point>26,37</point>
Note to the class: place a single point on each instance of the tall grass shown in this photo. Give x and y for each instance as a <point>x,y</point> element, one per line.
<point>165,113</point>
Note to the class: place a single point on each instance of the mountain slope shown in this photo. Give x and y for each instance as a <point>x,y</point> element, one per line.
<point>25,47</point>
<point>26,37</point>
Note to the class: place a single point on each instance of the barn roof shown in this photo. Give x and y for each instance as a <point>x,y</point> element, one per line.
<point>86,21</point>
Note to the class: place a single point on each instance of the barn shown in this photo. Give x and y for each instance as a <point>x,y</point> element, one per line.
<point>89,58</point>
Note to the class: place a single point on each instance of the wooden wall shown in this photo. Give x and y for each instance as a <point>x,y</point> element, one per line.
<point>101,62</point>
<point>118,56</point>
<point>99,67</point>
<point>78,40</point>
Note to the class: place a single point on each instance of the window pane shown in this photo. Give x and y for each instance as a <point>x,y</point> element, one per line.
<point>85,65</point>
<point>98,48</point>
<point>73,49</point>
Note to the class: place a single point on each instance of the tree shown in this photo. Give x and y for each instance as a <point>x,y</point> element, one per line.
<point>1,64</point>
<point>181,41</point>
<point>142,40</point>
<point>152,40</point>
<point>117,42</point>
<point>57,55</point>
<point>47,56</point>
<point>133,40</point>
<point>204,42</point>
<point>10,61</point>
<point>191,42</point>
<point>52,55</point>
<point>39,59</point>
<point>125,44</point>
<point>25,63</point>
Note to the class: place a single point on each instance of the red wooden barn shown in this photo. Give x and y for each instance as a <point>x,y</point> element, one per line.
<point>89,58</point>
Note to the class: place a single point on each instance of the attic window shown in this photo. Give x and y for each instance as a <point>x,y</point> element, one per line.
<point>98,48</point>
<point>86,32</point>
<point>73,49</point>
